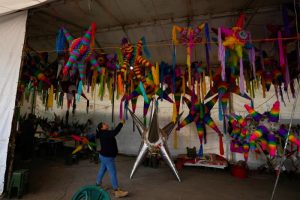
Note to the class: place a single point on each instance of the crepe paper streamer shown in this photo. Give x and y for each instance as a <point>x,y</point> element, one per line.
<point>274,113</point>
<point>101,87</point>
<point>174,115</point>
<point>251,56</point>
<point>121,110</point>
<point>110,89</point>
<point>174,31</point>
<point>207,45</point>
<point>221,53</point>
<point>119,57</point>
<point>60,42</point>
<point>79,90</point>
<point>272,144</point>
<point>50,97</point>
<point>207,35</point>
<point>78,148</point>
<point>203,86</point>
<point>175,140</point>
<point>281,51</point>
<point>155,75</point>
<point>287,73</point>
<point>242,87</point>
<point>254,114</point>
<point>126,110</point>
<point>157,72</point>
<point>145,48</point>
<point>120,84</point>
<point>142,89</point>
<point>93,35</point>
<point>200,152</point>
<point>221,147</point>
<point>292,87</point>
<point>183,85</point>
<point>94,81</point>
<point>188,63</point>
<point>220,110</point>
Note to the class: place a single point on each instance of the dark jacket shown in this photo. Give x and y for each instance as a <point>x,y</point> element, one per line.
<point>108,141</point>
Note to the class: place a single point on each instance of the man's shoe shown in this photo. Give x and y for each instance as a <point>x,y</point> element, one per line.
<point>120,193</point>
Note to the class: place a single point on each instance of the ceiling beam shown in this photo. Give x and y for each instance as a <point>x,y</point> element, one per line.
<point>173,21</point>
<point>66,22</point>
<point>114,17</point>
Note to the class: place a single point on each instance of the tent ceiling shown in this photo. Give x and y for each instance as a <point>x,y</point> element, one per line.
<point>153,19</point>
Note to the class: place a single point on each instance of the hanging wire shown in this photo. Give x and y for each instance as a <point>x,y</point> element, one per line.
<point>167,44</point>
<point>292,115</point>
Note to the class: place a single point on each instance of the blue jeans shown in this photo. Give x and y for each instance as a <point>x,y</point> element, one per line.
<point>108,163</point>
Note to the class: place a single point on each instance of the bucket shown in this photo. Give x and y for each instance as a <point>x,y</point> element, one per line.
<point>239,171</point>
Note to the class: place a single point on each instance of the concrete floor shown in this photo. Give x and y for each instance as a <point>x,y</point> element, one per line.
<point>56,181</point>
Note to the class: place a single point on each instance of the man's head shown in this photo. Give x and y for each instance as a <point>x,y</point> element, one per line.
<point>103,126</point>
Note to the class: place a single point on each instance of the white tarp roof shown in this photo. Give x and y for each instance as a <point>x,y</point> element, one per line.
<point>10,6</point>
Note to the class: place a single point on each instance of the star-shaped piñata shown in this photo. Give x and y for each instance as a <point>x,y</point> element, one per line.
<point>223,89</point>
<point>81,52</point>
<point>154,139</point>
<point>200,114</point>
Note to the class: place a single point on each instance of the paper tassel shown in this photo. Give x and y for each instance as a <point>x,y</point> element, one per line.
<point>120,85</point>
<point>79,91</point>
<point>60,41</point>
<point>93,31</point>
<point>220,110</point>
<point>207,46</point>
<point>119,56</point>
<point>174,115</point>
<point>50,97</point>
<point>121,110</point>
<point>242,86</point>
<point>264,87</point>
<point>251,56</point>
<point>221,145</point>
<point>141,86</point>
<point>210,79</point>
<point>287,74</point>
<point>126,110</point>
<point>174,31</point>
<point>204,85</point>
<point>94,81</point>
<point>188,63</point>
<point>131,86</point>
<point>175,143</point>
<point>183,85</point>
<point>207,35</point>
<point>221,53</point>
<point>155,75</point>
<point>200,152</point>
<point>145,48</point>
<point>101,87</point>
<point>110,88</point>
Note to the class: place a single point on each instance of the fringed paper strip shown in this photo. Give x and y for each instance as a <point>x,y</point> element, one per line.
<point>50,97</point>
<point>221,53</point>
